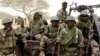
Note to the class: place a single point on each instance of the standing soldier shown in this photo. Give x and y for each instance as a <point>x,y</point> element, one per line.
<point>21,33</point>
<point>71,39</point>
<point>7,38</point>
<point>85,26</point>
<point>53,31</point>
<point>62,14</point>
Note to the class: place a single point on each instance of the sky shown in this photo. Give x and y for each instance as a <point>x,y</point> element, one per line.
<point>55,5</point>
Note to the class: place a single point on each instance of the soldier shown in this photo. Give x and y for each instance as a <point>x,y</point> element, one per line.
<point>21,33</point>
<point>37,28</point>
<point>44,20</point>
<point>85,26</point>
<point>95,40</point>
<point>71,39</point>
<point>62,13</point>
<point>84,23</point>
<point>37,23</point>
<point>7,38</point>
<point>22,30</point>
<point>53,31</point>
<point>42,37</point>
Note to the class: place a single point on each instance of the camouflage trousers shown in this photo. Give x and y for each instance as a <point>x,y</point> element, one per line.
<point>8,55</point>
<point>69,52</point>
<point>4,52</point>
<point>95,51</point>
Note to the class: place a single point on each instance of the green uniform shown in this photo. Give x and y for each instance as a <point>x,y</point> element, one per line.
<point>62,14</point>
<point>52,47</point>
<point>70,40</point>
<point>81,25</point>
<point>22,31</point>
<point>36,24</point>
<point>52,31</point>
<point>84,27</point>
<point>9,41</point>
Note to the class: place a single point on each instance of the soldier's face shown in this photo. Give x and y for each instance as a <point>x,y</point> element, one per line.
<point>85,18</point>
<point>71,23</point>
<point>8,24</point>
<point>64,6</point>
<point>37,16</point>
<point>55,23</point>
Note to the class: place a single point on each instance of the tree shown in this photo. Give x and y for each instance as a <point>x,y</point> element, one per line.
<point>25,6</point>
<point>3,14</point>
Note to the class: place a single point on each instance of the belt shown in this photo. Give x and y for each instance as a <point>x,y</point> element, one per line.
<point>73,45</point>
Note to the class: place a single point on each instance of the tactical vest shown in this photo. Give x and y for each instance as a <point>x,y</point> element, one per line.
<point>53,32</point>
<point>9,39</point>
<point>75,41</point>
<point>9,43</point>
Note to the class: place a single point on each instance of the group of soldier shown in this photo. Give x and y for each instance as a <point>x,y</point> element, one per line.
<point>63,37</point>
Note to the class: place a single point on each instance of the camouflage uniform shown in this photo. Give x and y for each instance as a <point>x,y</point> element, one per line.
<point>52,35</point>
<point>62,14</point>
<point>36,25</point>
<point>95,40</point>
<point>9,41</point>
<point>21,38</point>
<point>86,27</point>
<point>95,48</point>
<point>23,31</point>
<point>7,38</point>
<point>70,39</point>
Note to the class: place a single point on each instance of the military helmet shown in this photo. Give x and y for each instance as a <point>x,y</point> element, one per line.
<point>54,18</point>
<point>84,12</point>
<point>19,20</point>
<point>6,20</point>
<point>70,18</point>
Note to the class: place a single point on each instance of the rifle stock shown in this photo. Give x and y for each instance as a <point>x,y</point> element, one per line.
<point>88,43</point>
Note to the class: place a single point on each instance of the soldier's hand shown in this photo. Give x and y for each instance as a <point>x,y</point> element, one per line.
<point>2,40</point>
<point>49,41</point>
<point>8,29</point>
<point>19,35</point>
